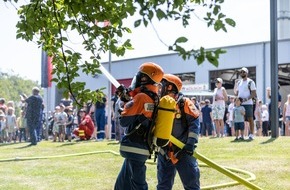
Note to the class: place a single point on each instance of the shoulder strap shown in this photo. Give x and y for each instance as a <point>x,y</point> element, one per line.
<point>149,132</point>
<point>249,85</point>
<point>181,104</point>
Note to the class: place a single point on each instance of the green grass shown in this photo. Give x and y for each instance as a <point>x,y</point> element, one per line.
<point>268,159</point>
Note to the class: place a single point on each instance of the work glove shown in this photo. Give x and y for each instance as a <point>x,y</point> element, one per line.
<point>187,149</point>
<point>123,93</point>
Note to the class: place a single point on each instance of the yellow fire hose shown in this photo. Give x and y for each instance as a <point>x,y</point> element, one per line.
<point>216,166</point>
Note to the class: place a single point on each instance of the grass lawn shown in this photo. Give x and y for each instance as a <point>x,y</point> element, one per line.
<point>93,165</point>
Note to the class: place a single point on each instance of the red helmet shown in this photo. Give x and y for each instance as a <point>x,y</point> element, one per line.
<point>174,80</point>
<point>152,70</point>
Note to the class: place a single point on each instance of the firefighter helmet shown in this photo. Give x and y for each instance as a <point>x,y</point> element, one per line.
<point>173,80</point>
<point>152,70</point>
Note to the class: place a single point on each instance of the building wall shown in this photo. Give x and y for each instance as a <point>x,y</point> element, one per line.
<point>246,55</point>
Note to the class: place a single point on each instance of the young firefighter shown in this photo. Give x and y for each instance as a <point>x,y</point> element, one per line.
<point>136,118</point>
<point>86,126</point>
<point>186,128</point>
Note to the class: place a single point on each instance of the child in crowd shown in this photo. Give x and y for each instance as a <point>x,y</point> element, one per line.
<point>265,120</point>
<point>2,127</point>
<point>69,124</point>
<point>258,117</point>
<point>55,128</point>
<point>230,115</point>
<point>11,125</point>
<point>21,123</point>
<point>239,119</point>
<point>62,120</point>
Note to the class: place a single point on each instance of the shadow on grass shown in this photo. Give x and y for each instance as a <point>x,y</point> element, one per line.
<point>26,146</point>
<point>113,143</point>
<point>67,144</point>
<point>269,141</point>
<point>241,141</point>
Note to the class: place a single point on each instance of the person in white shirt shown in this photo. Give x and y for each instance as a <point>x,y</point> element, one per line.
<point>245,88</point>
<point>265,120</point>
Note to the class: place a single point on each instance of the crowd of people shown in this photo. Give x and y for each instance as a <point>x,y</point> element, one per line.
<point>243,114</point>
<point>224,116</point>
<point>26,127</point>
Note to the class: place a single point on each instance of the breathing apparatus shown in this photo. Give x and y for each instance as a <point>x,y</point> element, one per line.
<point>171,85</point>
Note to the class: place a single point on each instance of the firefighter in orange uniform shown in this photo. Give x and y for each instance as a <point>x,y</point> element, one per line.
<point>136,118</point>
<point>86,126</point>
<point>186,129</point>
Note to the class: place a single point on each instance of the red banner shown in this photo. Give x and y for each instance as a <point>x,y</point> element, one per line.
<point>46,70</point>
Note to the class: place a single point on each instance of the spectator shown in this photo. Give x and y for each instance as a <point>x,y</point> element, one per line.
<point>33,113</point>
<point>86,127</point>
<point>55,128</point>
<point>11,125</point>
<point>69,124</point>
<point>3,106</point>
<point>227,128</point>
<point>286,116</point>
<point>218,107</point>
<point>62,120</point>
<point>265,120</point>
<point>67,102</point>
<point>99,109</point>
<point>21,123</point>
<point>258,118</point>
<point>201,105</point>
<point>279,106</point>
<point>3,129</point>
<point>239,121</point>
<point>194,101</point>
<point>230,115</point>
<point>246,89</point>
<point>207,129</point>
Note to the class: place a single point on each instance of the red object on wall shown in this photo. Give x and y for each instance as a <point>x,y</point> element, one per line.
<point>46,70</point>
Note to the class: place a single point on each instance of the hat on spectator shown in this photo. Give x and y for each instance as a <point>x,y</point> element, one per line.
<point>219,80</point>
<point>245,69</point>
<point>207,101</point>
<point>193,98</point>
<point>82,110</point>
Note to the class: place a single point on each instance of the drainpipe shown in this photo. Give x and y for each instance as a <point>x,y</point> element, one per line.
<point>264,71</point>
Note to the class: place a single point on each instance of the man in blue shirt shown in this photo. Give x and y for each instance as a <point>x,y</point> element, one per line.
<point>206,119</point>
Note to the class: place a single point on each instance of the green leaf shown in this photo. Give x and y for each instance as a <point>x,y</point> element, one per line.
<point>181,40</point>
<point>160,14</point>
<point>230,22</point>
<point>137,23</point>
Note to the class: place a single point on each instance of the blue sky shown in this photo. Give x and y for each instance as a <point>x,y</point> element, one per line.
<point>252,17</point>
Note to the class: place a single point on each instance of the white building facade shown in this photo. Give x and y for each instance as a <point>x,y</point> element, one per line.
<point>254,56</point>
